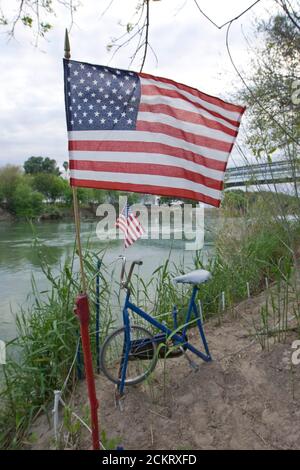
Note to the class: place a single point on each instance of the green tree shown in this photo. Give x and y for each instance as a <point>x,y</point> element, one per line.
<point>10,177</point>
<point>67,195</point>
<point>132,198</point>
<point>85,195</point>
<point>66,167</point>
<point>235,200</point>
<point>99,196</point>
<point>26,202</point>
<point>273,114</point>
<point>35,165</point>
<point>113,197</point>
<point>50,185</point>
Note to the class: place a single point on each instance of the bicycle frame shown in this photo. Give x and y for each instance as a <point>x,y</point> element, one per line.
<point>178,338</point>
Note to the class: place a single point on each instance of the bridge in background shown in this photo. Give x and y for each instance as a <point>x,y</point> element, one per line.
<point>262,173</point>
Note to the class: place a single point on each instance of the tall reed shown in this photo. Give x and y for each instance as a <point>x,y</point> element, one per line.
<point>39,358</point>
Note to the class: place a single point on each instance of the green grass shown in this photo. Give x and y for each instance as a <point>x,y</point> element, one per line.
<point>261,251</point>
<point>38,360</point>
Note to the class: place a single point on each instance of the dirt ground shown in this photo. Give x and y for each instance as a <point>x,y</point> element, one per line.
<point>247,398</point>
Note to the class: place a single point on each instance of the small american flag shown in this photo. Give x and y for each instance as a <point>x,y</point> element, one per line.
<point>129,224</point>
<point>140,133</point>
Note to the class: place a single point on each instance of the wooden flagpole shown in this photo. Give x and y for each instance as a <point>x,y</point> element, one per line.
<point>67,56</point>
<point>82,310</point>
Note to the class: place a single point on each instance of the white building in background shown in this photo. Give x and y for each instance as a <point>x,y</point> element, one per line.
<point>149,199</point>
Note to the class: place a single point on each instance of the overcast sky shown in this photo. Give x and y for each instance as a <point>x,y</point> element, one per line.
<point>189,50</point>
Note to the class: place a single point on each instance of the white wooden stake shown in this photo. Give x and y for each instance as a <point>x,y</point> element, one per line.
<point>267,283</point>
<point>57,396</point>
<point>223,301</point>
<point>248,290</point>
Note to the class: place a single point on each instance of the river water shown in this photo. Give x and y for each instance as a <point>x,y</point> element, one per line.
<point>20,262</point>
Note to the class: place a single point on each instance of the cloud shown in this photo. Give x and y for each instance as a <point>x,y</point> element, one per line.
<point>189,49</point>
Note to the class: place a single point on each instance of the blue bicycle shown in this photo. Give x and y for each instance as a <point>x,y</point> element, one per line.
<point>130,353</point>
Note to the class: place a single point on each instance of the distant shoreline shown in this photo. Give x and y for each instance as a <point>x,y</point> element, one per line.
<point>57,213</point>
<point>60,213</point>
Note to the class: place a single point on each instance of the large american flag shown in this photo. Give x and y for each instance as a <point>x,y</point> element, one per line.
<point>136,132</point>
<point>129,224</point>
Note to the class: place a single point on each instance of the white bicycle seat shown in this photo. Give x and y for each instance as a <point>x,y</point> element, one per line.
<point>195,277</point>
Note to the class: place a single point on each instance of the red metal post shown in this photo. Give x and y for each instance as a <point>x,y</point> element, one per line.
<point>83,313</point>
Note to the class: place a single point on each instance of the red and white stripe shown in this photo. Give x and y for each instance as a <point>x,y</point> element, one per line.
<point>180,147</point>
<point>131,228</point>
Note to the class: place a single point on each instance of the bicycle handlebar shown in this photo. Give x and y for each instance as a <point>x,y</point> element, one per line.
<point>125,284</point>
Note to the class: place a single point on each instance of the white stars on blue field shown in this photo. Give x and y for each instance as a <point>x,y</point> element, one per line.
<point>100,98</point>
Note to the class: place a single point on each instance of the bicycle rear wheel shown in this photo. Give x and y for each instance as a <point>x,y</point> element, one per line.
<point>142,355</point>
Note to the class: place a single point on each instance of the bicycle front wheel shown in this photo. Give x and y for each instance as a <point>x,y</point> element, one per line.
<point>142,355</point>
